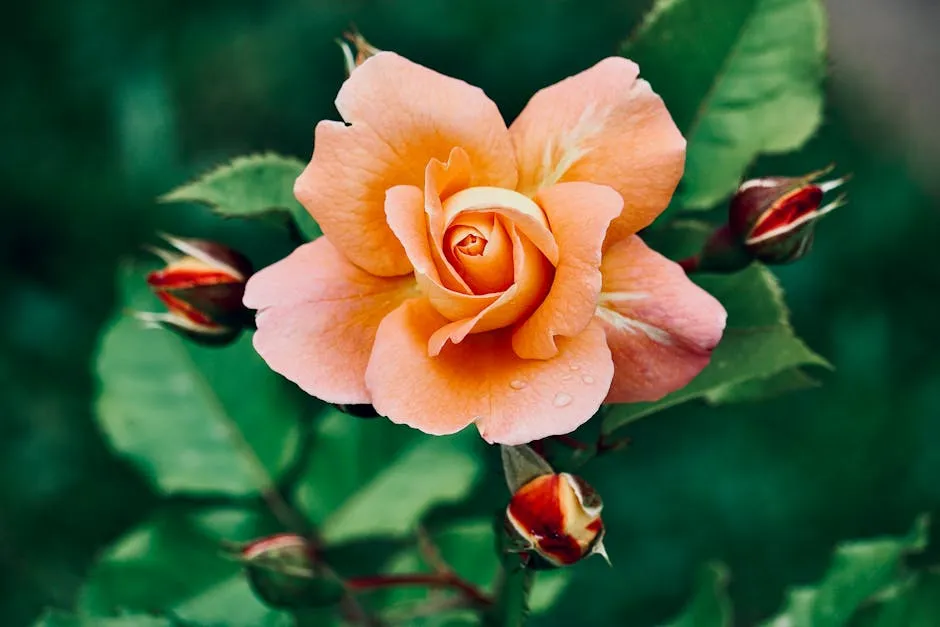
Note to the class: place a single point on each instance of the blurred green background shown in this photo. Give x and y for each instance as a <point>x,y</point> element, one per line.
<point>107,104</point>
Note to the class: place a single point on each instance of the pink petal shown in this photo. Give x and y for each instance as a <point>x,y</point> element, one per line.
<point>602,126</point>
<point>481,380</point>
<point>317,318</point>
<point>660,326</point>
<point>401,115</point>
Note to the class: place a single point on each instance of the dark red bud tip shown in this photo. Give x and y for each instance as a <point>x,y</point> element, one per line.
<point>558,517</point>
<point>773,218</point>
<point>202,285</point>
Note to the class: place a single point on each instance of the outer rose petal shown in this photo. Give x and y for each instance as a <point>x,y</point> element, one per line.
<point>317,319</point>
<point>602,126</point>
<point>402,115</point>
<point>660,326</point>
<point>579,214</point>
<point>481,380</point>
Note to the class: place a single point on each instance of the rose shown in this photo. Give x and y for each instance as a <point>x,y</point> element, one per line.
<point>470,273</point>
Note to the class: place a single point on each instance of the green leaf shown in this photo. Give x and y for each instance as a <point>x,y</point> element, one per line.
<point>191,418</point>
<point>248,187</point>
<point>740,77</point>
<point>370,478</point>
<point>678,239</point>
<point>912,603</point>
<point>168,560</point>
<point>231,603</point>
<point>710,606</point>
<point>55,618</point>
<point>758,344</point>
<point>755,390</point>
<point>859,570</point>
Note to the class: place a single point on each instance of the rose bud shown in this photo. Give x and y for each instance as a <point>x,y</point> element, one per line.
<point>202,279</point>
<point>191,324</point>
<point>283,573</point>
<point>771,220</point>
<point>558,516</point>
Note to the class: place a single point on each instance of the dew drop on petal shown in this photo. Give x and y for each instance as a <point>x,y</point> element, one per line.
<point>567,377</point>
<point>562,400</point>
<point>588,379</point>
<point>517,385</point>
<point>575,367</point>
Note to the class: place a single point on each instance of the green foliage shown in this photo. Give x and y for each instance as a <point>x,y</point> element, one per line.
<point>61,619</point>
<point>758,345</point>
<point>859,570</point>
<point>193,419</point>
<point>740,77</point>
<point>710,606</point>
<point>250,187</point>
<point>866,585</point>
<point>372,478</point>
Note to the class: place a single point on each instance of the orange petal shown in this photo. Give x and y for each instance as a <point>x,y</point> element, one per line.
<point>490,269</point>
<point>602,126</point>
<point>401,115</point>
<point>481,380</point>
<point>660,326</point>
<point>317,319</point>
<point>579,214</point>
<point>442,180</point>
<point>532,278</point>
<point>405,212</point>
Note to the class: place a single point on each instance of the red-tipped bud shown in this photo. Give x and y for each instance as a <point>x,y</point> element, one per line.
<point>202,287</point>
<point>355,50</point>
<point>771,220</point>
<point>775,217</point>
<point>558,516</point>
<point>283,573</point>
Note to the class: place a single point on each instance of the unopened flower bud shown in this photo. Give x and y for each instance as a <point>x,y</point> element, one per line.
<point>202,287</point>
<point>355,50</point>
<point>283,573</point>
<point>558,516</point>
<point>771,220</point>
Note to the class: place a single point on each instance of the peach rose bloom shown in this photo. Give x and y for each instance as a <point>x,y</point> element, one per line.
<point>470,273</point>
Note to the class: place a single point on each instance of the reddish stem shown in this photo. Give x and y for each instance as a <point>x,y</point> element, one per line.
<point>570,442</point>
<point>435,580</point>
<point>690,264</point>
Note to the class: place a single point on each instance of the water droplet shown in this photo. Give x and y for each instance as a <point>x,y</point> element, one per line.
<point>562,400</point>
<point>587,379</point>
<point>517,385</point>
<point>575,367</point>
<point>567,377</point>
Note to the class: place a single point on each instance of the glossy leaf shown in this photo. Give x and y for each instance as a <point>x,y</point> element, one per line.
<point>740,77</point>
<point>858,571</point>
<point>166,561</point>
<point>231,603</point>
<point>758,344</point>
<point>912,603</point>
<point>248,187</point>
<point>373,478</point>
<point>191,418</point>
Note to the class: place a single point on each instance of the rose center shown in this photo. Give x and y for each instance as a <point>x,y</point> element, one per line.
<point>480,240</point>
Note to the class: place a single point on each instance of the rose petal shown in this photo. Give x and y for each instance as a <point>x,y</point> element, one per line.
<point>579,214</point>
<point>481,380</point>
<point>492,270</point>
<point>401,116</point>
<point>317,319</point>
<point>660,326</point>
<point>602,126</point>
<point>532,278</point>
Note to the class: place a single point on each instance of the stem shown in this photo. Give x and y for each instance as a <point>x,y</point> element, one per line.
<point>434,580</point>
<point>690,264</point>
<point>570,442</point>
